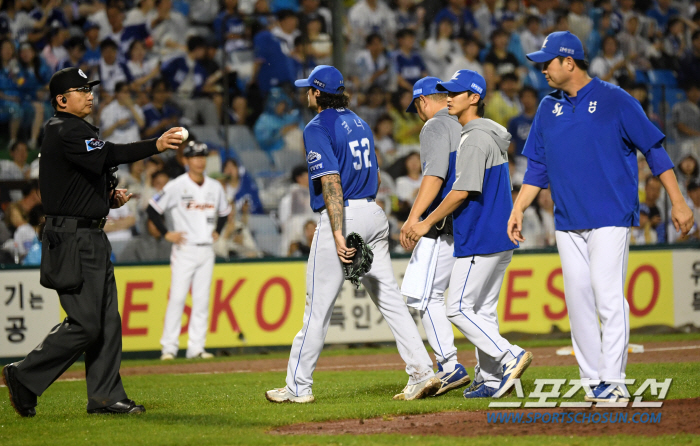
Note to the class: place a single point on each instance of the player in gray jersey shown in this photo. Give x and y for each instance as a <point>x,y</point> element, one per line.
<point>428,272</point>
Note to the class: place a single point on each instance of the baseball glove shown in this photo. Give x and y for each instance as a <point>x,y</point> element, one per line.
<point>361,261</point>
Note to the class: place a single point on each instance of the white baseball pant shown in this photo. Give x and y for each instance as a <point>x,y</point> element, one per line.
<point>191,266</point>
<point>472,307</point>
<point>594,266</point>
<point>324,280</point>
<point>438,328</point>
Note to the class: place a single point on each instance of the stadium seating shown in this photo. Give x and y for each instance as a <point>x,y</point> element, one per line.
<point>266,233</point>
<point>241,139</point>
<point>662,77</point>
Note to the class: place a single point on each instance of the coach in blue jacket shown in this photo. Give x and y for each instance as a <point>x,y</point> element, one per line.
<point>583,145</point>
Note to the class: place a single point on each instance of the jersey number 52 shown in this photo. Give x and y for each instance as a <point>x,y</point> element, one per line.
<point>357,153</point>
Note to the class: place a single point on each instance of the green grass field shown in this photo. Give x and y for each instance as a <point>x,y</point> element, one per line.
<point>231,408</point>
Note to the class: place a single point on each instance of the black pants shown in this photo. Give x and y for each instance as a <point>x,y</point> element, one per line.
<point>92,326</point>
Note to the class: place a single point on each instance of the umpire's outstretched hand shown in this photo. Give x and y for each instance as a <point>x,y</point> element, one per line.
<point>170,139</point>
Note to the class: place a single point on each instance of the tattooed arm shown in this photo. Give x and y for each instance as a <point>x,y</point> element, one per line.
<point>333,197</point>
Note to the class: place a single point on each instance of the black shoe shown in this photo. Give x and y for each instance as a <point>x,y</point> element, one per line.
<point>21,398</point>
<point>124,406</point>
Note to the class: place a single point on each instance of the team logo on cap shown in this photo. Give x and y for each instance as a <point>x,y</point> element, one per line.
<point>319,83</point>
<point>94,144</point>
<point>313,157</point>
<point>80,72</point>
<point>477,88</point>
<point>544,44</point>
<point>563,49</point>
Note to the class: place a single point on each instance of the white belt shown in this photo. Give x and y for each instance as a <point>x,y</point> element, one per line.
<point>358,202</point>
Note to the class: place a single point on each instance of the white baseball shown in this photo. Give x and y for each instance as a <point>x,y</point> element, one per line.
<point>184,134</point>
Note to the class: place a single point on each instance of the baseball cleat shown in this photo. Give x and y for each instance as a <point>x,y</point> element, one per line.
<point>607,393</point>
<point>473,386</point>
<point>481,392</point>
<point>421,390</point>
<point>285,396</point>
<point>512,371</point>
<point>167,357</point>
<point>23,401</point>
<point>453,380</point>
<point>203,355</point>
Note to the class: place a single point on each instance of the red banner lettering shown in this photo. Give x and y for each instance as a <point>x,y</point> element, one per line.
<point>556,292</point>
<point>225,306</point>
<point>265,325</point>
<point>656,281</point>
<point>513,294</point>
<point>130,307</point>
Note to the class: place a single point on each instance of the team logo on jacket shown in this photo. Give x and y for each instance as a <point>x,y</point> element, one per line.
<point>592,106</point>
<point>557,109</point>
<point>313,157</point>
<point>94,144</point>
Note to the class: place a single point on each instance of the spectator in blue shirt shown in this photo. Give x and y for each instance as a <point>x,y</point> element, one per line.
<point>662,13</point>
<point>76,53</point>
<point>519,128</point>
<point>460,16</point>
<point>240,187</point>
<point>33,79</point>
<point>160,113</point>
<point>10,104</point>
<point>188,79</point>
<point>123,35</point>
<point>408,62</point>
<point>278,120</point>
<point>230,28</point>
<point>270,68</point>
<point>92,45</point>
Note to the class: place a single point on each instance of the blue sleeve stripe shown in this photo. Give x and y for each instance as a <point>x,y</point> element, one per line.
<point>319,175</point>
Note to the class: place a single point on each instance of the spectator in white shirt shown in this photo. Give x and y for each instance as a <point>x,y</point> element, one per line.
<point>407,186</point>
<point>143,70</point>
<point>370,17</point>
<point>287,30</point>
<point>122,119</point>
<point>531,38</point>
<point>16,168</point>
<point>579,23</point>
<point>467,60</point>
<point>372,65</point>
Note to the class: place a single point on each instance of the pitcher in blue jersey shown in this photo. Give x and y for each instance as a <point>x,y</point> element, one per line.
<point>583,145</point>
<point>480,202</point>
<point>343,181</point>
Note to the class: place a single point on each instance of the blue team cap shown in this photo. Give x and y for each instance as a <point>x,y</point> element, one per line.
<point>90,25</point>
<point>465,80</point>
<point>560,43</point>
<point>325,78</point>
<point>423,87</point>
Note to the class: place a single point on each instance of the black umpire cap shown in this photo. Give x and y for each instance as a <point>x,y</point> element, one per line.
<point>68,78</point>
<point>196,149</point>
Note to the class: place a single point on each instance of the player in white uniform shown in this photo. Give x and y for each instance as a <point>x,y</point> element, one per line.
<point>428,272</point>
<point>583,142</point>
<point>198,207</point>
<point>343,182</point>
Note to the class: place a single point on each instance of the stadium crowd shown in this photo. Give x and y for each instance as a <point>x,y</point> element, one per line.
<point>224,70</point>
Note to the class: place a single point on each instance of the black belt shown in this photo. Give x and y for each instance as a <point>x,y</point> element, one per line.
<point>73,223</point>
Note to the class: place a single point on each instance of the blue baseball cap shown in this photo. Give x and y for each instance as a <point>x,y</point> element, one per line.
<point>90,25</point>
<point>560,43</point>
<point>423,87</point>
<point>465,80</point>
<point>325,78</point>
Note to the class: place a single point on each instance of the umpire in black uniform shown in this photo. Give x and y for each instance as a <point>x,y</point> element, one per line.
<point>77,191</point>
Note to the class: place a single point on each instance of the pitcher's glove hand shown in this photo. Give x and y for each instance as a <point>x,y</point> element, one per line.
<point>361,262</point>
